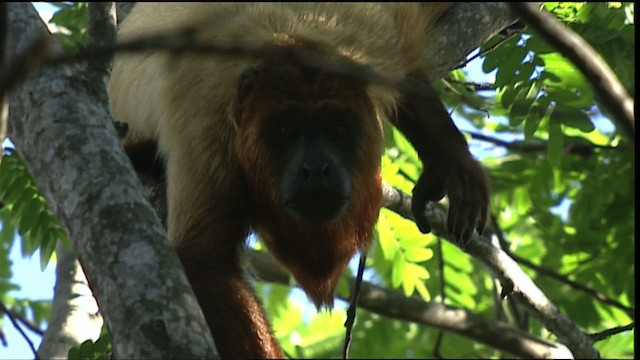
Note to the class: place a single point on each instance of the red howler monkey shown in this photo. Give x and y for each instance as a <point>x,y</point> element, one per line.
<point>288,150</point>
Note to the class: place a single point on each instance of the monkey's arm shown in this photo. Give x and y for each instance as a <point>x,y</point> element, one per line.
<point>449,168</point>
<point>208,224</point>
<point>233,313</point>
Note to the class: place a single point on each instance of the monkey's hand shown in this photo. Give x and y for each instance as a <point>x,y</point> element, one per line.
<point>449,168</point>
<point>463,180</point>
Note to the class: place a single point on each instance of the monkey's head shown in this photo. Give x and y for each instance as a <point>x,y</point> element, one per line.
<point>310,128</point>
<point>309,145</point>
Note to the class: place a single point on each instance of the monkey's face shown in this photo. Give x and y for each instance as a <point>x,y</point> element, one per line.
<point>311,151</point>
<point>306,143</point>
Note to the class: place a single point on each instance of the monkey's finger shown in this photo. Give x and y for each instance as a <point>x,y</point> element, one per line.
<point>424,191</point>
<point>469,210</point>
<point>472,205</point>
<point>455,221</point>
<point>474,211</point>
<point>418,208</point>
<point>423,225</point>
<point>481,224</point>
<point>469,217</point>
<point>480,199</point>
<point>434,187</point>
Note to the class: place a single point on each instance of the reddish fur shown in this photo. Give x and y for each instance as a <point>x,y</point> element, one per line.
<point>316,254</point>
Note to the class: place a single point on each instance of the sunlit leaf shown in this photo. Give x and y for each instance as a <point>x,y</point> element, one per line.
<point>418,254</point>
<point>397,272</point>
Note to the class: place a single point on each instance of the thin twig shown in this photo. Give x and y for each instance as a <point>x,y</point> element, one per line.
<point>183,41</point>
<point>520,319</point>
<point>29,324</point>
<point>353,306</point>
<point>523,147</point>
<point>476,86</point>
<point>613,331</point>
<point>19,328</point>
<point>489,49</point>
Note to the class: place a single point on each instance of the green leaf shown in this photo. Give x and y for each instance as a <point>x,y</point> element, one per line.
<point>386,237</point>
<point>75,19</point>
<point>523,73</point>
<point>576,119</point>
<point>539,45</point>
<point>509,66</point>
<point>522,103</point>
<point>572,82</point>
<point>30,213</point>
<point>532,122</point>
<point>397,270</point>
<point>46,251</point>
<point>510,93</point>
<point>555,148</point>
<point>422,290</point>
<point>7,232</point>
<point>410,241</point>
<point>417,271</point>
<point>418,254</point>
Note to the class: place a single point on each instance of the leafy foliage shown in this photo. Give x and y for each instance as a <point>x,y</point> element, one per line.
<point>93,350</point>
<point>73,21</point>
<point>26,211</point>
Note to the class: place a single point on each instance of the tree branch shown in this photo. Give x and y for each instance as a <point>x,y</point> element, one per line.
<point>610,332</point>
<point>396,305</point>
<point>507,270</point>
<point>74,311</point>
<point>524,147</point>
<point>504,244</point>
<point>4,310</point>
<point>565,280</point>
<point>182,41</point>
<point>452,42</point>
<point>64,133</point>
<point>32,326</point>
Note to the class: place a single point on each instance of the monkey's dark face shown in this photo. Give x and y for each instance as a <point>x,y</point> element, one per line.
<point>311,152</point>
<point>305,141</point>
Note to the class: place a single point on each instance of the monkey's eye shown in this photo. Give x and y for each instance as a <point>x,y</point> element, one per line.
<point>335,130</point>
<point>286,131</point>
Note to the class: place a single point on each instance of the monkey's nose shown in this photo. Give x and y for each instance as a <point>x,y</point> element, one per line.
<point>315,172</point>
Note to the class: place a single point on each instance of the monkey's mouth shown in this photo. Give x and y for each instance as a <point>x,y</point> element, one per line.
<point>317,208</point>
